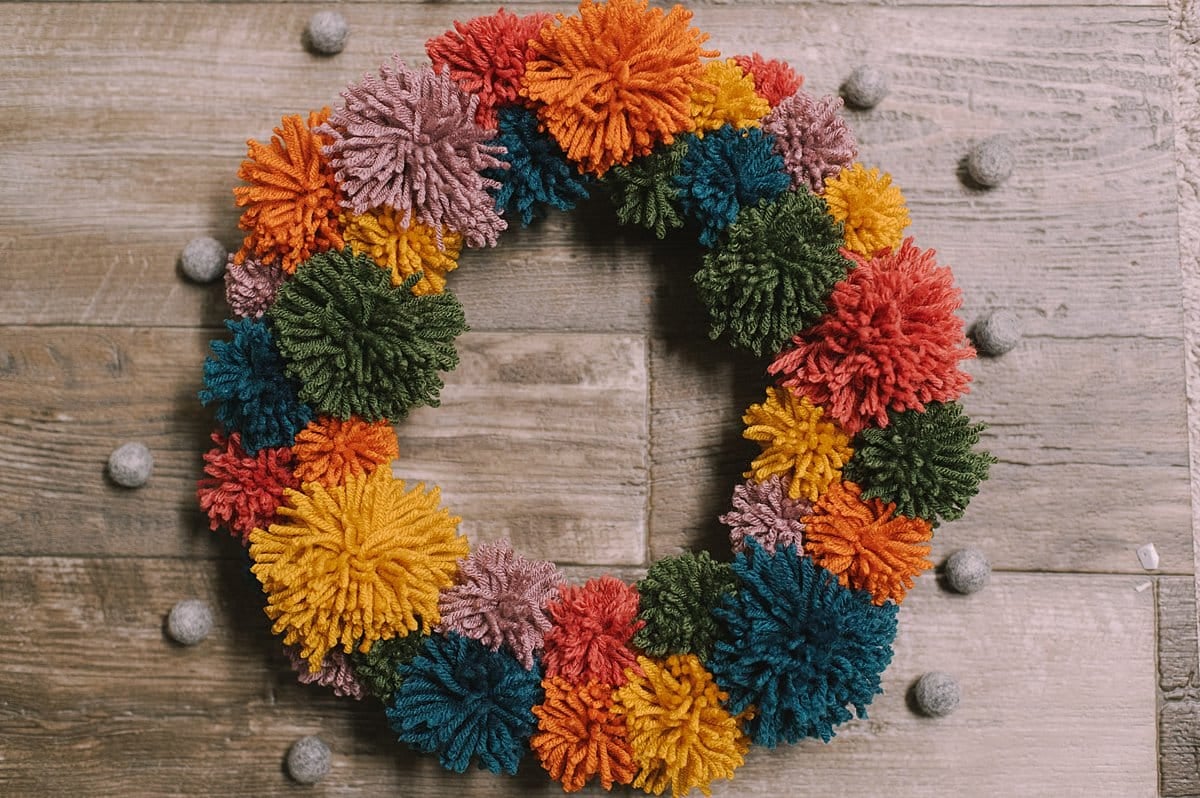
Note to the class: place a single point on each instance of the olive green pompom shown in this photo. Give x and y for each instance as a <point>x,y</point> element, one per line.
<point>678,596</point>
<point>644,192</point>
<point>379,669</point>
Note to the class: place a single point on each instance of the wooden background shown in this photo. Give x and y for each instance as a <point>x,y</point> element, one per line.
<point>591,422</point>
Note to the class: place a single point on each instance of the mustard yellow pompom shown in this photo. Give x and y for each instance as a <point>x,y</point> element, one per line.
<point>380,235</point>
<point>870,208</point>
<point>725,95</point>
<point>797,442</point>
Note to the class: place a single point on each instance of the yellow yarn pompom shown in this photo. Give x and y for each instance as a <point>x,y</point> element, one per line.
<point>870,207</point>
<point>725,95</point>
<point>681,734</point>
<point>403,251</point>
<point>797,441</point>
<point>355,563</point>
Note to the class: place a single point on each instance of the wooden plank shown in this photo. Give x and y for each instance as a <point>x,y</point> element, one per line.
<point>557,419</point>
<point>1038,717</point>
<point>1178,688</point>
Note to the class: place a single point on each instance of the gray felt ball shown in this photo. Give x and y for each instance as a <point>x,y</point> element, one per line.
<point>308,760</point>
<point>997,333</point>
<point>189,621</point>
<point>936,694</point>
<point>203,259</point>
<point>990,162</point>
<point>130,465</point>
<point>326,32</point>
<point>968,571</point>
<point>865,87</point>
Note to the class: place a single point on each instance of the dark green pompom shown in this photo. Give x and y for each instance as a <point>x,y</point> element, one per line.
<point>678,596</point>
<point>922,461</point>
<point>644,192</point>
<point>379,668</point>
<point>357,345</point>
<point>772,272</point>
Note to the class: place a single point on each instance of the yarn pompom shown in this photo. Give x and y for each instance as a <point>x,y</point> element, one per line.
<point>580,735</point>
<point>890,341</point>
<point>330,450</point>
<point>615,80</point>
<point>726,96</point>
<point>405,250</point>
<point>408,139</point>
<point>378,668</point>
<point>348,565</point>
<point>866,543</point>
<point>593,625</point>
<point>869,206</point>
<point>357,345</point>
<point>538,173</point>
<point>682,735</point>
<point>798,647</point>
<point>773,271</point>
<point>774,80</point>
<point>250,288</point>
<point>645,193</point>
<point>678,595</point>
<point>923,462</point>
<point>245,378</point>
<point>765,512</point>
<point>241,492</point>
<point>486,56</point>
<point>464,702</point>
<point>727,170</point>
<point>499,598</point>
<point>293,201</point>
<point>335,673</point>
<point>798,443</point>
<point>814,140</point>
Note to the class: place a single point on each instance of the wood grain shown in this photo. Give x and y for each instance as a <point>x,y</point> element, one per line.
<point>1179,689</point>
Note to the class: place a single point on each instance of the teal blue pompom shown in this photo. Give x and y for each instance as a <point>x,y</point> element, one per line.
<point>538,171</point>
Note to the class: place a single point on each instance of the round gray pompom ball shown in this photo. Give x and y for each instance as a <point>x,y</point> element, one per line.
<point>308,760</point>
<point>936,694</point>
<point>865,87</point>
<point>968,571</point>
<point>997,333</point>
<point>990,162</point>
<point>130,465</point>
<point>203,259</point>
<point>326,32</point>
<point>189,621</point>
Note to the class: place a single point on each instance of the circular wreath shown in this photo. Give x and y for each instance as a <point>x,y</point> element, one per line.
<point>343,321</point>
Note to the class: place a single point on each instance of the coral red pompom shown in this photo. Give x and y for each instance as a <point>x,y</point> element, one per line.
<point>593,625</point>
<point>774,80</point>
<point>243,492</point>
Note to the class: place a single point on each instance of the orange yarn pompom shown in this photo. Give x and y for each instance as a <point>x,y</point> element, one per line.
<point>867,544</point>
<point>615,80</point>
<point>580,735</point>
<point>293,201</point>
<point>330,450</point>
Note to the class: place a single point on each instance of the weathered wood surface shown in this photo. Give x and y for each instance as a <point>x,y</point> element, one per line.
<point>1179,688</point>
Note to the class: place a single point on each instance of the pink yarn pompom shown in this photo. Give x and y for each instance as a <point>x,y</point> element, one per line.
<point>335,672</point>
<point>250,287</point>
<point>812,137</point>
<point>765,512</point>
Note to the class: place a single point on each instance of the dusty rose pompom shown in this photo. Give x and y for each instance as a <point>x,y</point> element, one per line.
<point>408,140</point>
<point>812,137</point>
<point>335,672</point>
<point>593,625</point>
<point>250,288</point>
<point>774,80</point>
<point>500,599</point>
<point>243,492</point>
<point>765,512</point>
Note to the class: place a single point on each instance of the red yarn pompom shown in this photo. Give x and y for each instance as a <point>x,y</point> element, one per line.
<point>593,625</point>
<point>774,80</point>
<point>243,492</point>
<point>889,341</point>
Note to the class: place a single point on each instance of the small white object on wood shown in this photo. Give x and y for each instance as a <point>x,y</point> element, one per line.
<point>203,259</point>
<point>189,621</point>
<point>131,464</point>
<point>1148,556</point>
<point>990,162</point>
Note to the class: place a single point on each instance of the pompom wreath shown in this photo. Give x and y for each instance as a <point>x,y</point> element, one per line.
<point>499,598</point>
<point>727,170</point>
<point>677,597</point>
<point>241,492</point>
<point>580,735</point>
<point>335,672</point>
<point>645,193</point>
<point>814,140</point>
<point>593,626</point>
<point>464,702</point>
<point>349,565</point>
<point>378,668</point>
<point>870,208</point>
<point>682,735</point>
<point>890,341</point>
<point>359,346</point>
<point>245,378</point>
<point>774,80</point>
<point>726,96</point>
<point>866,544</point>
<point>924,462</point>
<point>798,443</point>
<point>408,140</point>
<point>251,287</point>
<point>538,173</point>
<point>331,451</point>
<point>764,511</point>
<point>772,273</point>
<point>615,80</point>
<point>405,250</point>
